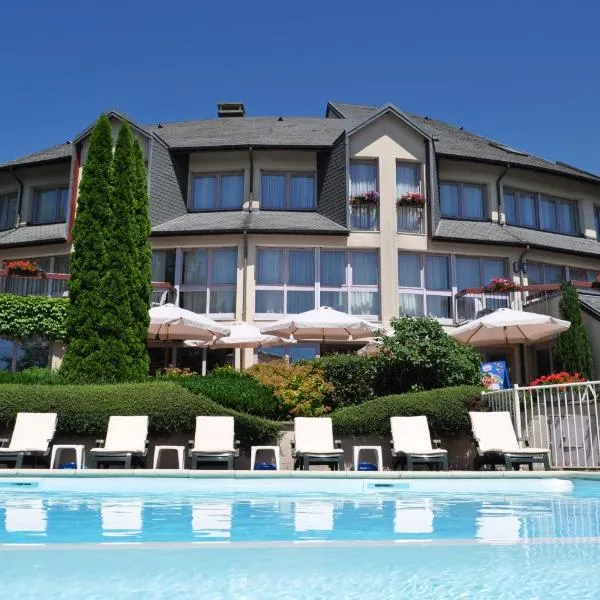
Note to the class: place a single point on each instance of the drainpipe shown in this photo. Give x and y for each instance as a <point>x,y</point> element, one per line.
<point>501,219</point>
<point>19,197</point>
<point>251,184</point>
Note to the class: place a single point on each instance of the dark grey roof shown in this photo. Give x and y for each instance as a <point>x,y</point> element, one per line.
<point>34,234</point>
<point>452,141</point>
<point>58,152</point>
<point>493,233</point>
<point>249,131</point>
<point>258,221</point>
<point>590,300</point>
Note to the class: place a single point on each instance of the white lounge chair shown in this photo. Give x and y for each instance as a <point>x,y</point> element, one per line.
<point>411,443</point>
<point>31,436</point>
<point>214,442</point>
<point>126,443</point>
<point>313,444</point>
<point>497,443</point>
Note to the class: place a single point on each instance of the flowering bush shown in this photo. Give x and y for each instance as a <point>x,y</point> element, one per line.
<point>557,378</point>
<point>300,389</point>
<point>21,267</point>
<point>371,197</point>
<point>502,285</point>
<point>411,199</point>
<point>172,371</point>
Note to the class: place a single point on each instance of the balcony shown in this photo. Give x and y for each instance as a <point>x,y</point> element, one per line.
<point>55,285</point>
<point>411,219</point>
<point>364,216</point>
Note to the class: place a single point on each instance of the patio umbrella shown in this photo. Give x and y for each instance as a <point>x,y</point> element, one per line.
<point>322,323</point>
<point>170,322</point>
<point>507,326</point>
<point>242,335</point>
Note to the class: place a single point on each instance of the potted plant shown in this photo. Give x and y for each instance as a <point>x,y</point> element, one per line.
<point>411,199</point>
<point>371,197</point>
<point>502,285</point>
<point>22,268</point>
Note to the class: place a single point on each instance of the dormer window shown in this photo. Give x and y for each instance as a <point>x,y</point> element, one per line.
<point>8,211</point>
<point>50,206</point>
<point>217,191</point>
<point>287,191</point>
<point>462,201</point>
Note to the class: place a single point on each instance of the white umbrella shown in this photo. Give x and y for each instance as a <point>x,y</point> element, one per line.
<point>507,326</point>
<point>170,322</point>
<point>322,323</point>
<point>242,335</point>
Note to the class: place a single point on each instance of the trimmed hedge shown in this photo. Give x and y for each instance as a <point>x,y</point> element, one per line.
<point>85,409</point>
<point>446,409</point>
<point>352,376</point>
<point>31,376</point>
<point>233,390</point>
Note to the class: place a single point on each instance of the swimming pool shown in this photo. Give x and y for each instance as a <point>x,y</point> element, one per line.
<point>299,537</point>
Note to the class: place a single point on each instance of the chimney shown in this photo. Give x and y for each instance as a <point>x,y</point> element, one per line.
<point>231,109</point>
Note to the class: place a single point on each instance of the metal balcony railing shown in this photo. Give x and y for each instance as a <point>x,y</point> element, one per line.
<point>411,219</point>
<point>364,216</point>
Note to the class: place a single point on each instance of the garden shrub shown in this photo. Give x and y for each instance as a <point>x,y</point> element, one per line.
<point>420,355</point>
<point>446,409</point>
<point>22,316</point>
<point>31,376</point>
<point>301,390</point>
<point>352,376</point>
<point>85,409</point>
<point>232,389</point>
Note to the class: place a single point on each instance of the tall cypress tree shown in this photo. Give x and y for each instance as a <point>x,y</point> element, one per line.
<point>573,352</point>
<point>143,252</point>
<point>88,302</point>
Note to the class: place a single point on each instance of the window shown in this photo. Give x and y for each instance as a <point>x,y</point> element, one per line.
<point>597,220</point>
<point>425,286</point>
<point>294,280</point>
<point>363,178</point>
<point>209,281</point>
<point>17,355</point>
<point>475,272</point>
<point>50,206</point>
<point>408,179</point>
<point>287,191</point>
<point>163,265</point>
<point>8,211</point>
<point>462,201</point>
<point>218,191</point>
<point>576,274</point>
<point>536,211</point>
<point>539,273</point>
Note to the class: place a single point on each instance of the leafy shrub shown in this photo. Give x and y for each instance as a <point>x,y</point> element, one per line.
<point>446,409</point>
<point>235,390</point>
<point>421,355</point>
<point>300,390</point>
<point>22,316</point>
<point>31,376</point>
<point>85,409</point>
<point>353,378</point>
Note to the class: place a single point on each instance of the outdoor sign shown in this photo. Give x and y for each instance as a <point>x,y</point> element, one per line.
<point>494,375</point>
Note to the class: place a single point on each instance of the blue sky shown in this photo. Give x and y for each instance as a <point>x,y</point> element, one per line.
<point>523,72</point>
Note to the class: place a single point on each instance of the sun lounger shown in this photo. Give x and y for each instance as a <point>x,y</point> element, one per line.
<point>313,444</point>
<point>214,442</point>
<point>32,435</point>
<point>411,443</point>
<point>497,443</point>
<point>126,443</point>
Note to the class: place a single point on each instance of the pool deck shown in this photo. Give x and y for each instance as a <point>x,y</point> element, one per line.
<point>335,475</point>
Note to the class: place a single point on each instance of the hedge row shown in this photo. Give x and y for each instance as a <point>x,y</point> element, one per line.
<point>446,409</point>
<point>22,316</point>
<point>85,409</point>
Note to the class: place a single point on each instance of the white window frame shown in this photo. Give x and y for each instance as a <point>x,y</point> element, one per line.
<point>218,175</point>
<point>182,287</point>
<point>35,205</point>
<point>481,260</point>
<point>5,201</point>
<point>347,287</point>
<point>417,167</point>
<point>423,291</point>
<point>538,211</point>
<point>287,198</point>
<point>461,185</point>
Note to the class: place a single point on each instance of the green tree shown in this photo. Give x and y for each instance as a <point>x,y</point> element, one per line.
<point>88,301</point>
<point>421,355</point>
<point>573,352</point>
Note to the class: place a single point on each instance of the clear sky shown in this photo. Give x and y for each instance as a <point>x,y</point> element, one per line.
<point>525,72</point>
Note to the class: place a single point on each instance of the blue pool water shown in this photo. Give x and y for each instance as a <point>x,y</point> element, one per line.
<point>438,539</point>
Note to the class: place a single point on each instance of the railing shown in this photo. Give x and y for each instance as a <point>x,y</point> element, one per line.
<point>364,216</point>
<point>564,418</point>
<point>411,219</point>
<point>56,285</point>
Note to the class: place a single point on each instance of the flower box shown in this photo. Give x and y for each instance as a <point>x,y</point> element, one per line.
<point>558,378</point>
<point>22,268</point>
<point>411,199</point>
<point>366,198</point>
<point>502,285</point>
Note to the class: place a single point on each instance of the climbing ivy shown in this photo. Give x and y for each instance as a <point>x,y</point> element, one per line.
<point>21,316</point>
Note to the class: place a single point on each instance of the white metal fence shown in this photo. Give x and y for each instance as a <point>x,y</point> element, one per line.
<point>564,418</point>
